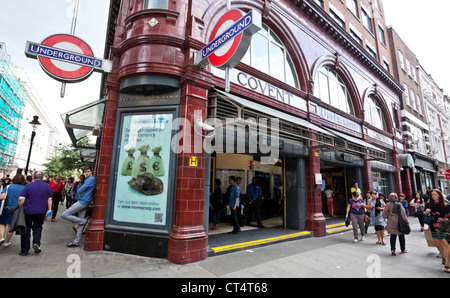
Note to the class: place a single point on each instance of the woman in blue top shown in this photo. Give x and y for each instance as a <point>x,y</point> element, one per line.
<point>11,194</point>
<point>355,209</point>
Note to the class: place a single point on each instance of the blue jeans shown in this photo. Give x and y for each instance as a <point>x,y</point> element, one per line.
<point>216,217</point>
<point>34,222</point>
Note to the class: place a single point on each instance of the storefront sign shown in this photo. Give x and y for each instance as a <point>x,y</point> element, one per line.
<point>141,190</point>
<point>230,39</point>
<point>137,100</point>
<point>262,87</point>
<point>66,58</point>
<point>338,119</point>
<point>446,173</point>
<point>381,137</point>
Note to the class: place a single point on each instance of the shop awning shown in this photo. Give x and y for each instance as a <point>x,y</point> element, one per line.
<point>356,145</point>
<point>304,128</point>
<point>406,161</point>
<point>85,121</point>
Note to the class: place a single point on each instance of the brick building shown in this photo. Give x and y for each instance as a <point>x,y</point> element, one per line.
<point>316,79</point>
<point>406,67</point>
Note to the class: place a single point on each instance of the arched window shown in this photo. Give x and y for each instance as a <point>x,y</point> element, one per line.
<point>373,113</point>
<point>330,88</point>
<point>268,54</point>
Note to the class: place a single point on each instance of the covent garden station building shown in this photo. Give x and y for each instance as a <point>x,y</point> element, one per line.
<point>308,103</point>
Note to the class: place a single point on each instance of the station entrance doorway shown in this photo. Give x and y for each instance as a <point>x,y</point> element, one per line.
<point>339,176</point>
<point>279,171</point>
<point>244,168</point>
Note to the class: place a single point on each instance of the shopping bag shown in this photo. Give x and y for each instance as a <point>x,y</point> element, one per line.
<point>429,238</point>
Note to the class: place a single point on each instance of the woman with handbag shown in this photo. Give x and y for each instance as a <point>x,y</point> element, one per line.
<point>391,214</point>
<point>11,196</point>
<point>419,206</point>
<point>439,210</point>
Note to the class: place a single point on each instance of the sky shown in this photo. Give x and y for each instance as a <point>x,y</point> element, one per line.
<point>31,20</point>
<point>421,25</point>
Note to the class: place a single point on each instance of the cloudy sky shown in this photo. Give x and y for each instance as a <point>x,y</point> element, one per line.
<point>423,26</point>
<point>420,24</point>
<point>31,20</point>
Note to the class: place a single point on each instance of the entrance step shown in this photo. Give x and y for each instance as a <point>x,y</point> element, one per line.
<point>226,243</point>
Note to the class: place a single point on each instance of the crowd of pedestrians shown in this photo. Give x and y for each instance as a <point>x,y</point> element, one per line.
<point>26,203</point>
<point>392,215</point>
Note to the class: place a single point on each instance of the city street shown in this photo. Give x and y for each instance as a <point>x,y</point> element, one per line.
<point>334,256</point>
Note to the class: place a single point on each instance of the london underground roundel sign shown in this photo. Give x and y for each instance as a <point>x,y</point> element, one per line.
<point>65,57</point>
<point>229,39</point>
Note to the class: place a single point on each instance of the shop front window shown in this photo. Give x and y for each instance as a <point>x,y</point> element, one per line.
<point>331,89</point>
<point>373,114</point>
<point>268,54</point>
<point>155,4</point>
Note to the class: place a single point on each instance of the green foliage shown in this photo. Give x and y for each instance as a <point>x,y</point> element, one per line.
<point>65,161</point>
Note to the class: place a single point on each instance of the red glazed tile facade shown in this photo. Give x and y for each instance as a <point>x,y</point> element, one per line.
<point>313,40</point>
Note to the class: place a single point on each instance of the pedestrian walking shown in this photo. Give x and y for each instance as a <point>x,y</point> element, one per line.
<point>355,209</point>
<point>36,199</point>
<point>356,188</point>
<point>254,201</point>
<point>391,214</point>
<point>67,190</point>
<point>419,208</point>
<point>376,206</point>
<point>11,196</point>
<point>240,209</point>
<point>403,202</point>
<point>440,224</point>
<point>329,195</point>
<point>233,203</point>
<point>216,203</point>
<point>367,198</point>
<point>57,194</point>
<point>84,197</point>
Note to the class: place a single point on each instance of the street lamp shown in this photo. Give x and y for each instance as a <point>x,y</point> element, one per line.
<point>34,124</point>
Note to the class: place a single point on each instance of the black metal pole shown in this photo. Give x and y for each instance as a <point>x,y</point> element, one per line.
<point>33,133</point>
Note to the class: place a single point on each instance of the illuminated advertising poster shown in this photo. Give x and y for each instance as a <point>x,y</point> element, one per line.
<point>142,170</point>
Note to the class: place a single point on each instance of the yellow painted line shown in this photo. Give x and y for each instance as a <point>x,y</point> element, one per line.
<point>336,225</point>
<point>342,228</point>
<point>279,238</point>
<point>258,242</point>
<point>339,230</point>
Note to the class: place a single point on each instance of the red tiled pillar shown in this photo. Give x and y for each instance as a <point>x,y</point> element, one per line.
<point>397,178</point>
<point>95,231</point>
<point>315,221</point>
<point>188,239</point>
<point>407,186</point>
<point>367,178</point>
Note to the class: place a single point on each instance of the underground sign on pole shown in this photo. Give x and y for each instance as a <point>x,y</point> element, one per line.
<point>229,40</point>
<point>66,58</point>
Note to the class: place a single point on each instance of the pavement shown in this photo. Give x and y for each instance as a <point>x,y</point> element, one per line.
<point>333,256</point>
